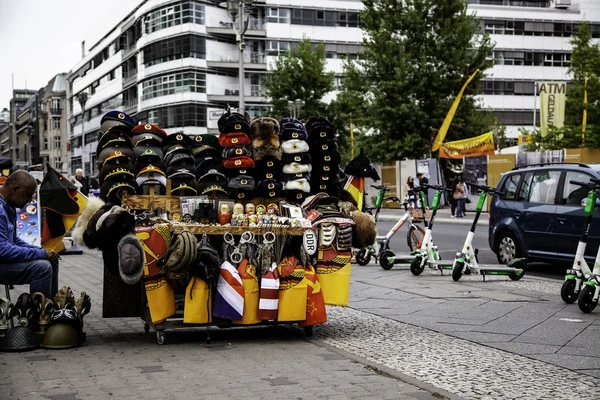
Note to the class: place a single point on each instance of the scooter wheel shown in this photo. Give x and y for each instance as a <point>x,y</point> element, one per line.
<point>567,291</point>
<point>417,266</point>
<point>457,271</point>
<point>586,299</point>
<point>363,257</point>
<point>519,265</point>
<point>384,260</point>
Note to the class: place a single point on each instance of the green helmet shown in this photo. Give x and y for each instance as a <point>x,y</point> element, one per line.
<point>61,336</point>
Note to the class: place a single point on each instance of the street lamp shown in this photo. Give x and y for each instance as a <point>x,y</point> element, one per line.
<point>82,97</point>
<point>238,11</point>
<point>294,108</point>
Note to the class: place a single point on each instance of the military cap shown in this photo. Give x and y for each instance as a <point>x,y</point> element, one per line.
<point>120,116</point>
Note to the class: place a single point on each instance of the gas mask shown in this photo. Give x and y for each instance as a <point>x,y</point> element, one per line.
<point>45,308</point>
<point>6,309</point>
<point>25,311</point>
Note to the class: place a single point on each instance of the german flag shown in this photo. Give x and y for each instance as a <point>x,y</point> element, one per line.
<point>355,185</point>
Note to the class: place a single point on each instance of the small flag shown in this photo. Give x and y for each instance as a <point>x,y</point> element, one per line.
<point>315,304</point>
<point>269,294</point>
<point>229,298</point>
<point>355,185</point>
<point>251,293</point>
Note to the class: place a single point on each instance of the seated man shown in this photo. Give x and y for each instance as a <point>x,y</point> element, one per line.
<point>22,263</point>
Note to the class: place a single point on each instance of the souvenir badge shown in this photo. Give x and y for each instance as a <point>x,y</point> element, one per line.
<point>309,241</point>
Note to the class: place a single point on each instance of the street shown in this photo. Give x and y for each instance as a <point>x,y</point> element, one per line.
<point>450,238</point>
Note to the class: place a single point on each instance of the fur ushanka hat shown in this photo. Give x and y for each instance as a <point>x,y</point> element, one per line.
<point>89,234</point>
<point>264,134</point>
<point>93,205</point>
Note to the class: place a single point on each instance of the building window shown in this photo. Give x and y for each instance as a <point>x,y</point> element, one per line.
<point>55,104</point>
<point>174,83</point>
<point>57,142</point>
<point>45,143</point>
<point>517,117</point>
<point>58,163</point>
<point>56,123</point>
<point>531,58</point>
<point>178,116</point>
<point>278,15</point>
<point>175,14</point>
<point>188,46</point>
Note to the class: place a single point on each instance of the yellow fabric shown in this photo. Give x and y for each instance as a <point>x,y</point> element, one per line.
<point>198,303</point>
<point>335,282</point>
<point>553,96</point>
<point>161,300</point>
<point>441,135</point>
<point>251,294</point>
<point>56,244</point>
<point>292,302</point>
<point>584,121</point>
<point>481,145</point>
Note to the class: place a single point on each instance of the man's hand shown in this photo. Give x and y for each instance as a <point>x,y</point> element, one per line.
<point>52,256</point>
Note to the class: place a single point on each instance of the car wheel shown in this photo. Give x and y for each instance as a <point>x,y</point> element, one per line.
<point>507,248</point>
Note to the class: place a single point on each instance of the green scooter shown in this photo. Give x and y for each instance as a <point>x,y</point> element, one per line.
<point>466,261</point>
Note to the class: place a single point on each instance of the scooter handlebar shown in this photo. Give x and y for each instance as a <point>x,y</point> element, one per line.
<point>434,187</point>
<point>380,187</point>
<point>487,189</point>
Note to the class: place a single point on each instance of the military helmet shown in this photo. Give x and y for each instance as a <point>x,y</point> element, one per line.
<point>61,336</point>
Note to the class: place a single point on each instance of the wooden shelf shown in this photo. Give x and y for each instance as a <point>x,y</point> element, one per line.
<point>237,230</point>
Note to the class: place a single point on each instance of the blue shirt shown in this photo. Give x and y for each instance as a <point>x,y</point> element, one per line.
<point>12,248</point>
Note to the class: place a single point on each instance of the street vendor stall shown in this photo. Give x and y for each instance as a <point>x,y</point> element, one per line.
<point>243,228</point>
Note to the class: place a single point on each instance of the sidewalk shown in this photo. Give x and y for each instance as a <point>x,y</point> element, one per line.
<point>443,215</point>
<point>119,361</point>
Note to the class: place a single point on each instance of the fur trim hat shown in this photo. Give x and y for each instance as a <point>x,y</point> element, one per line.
<point>228,117</point>
<point>131,259</point>
<point>93,205</point>
<point>264,133</point>
<point>233,139</point>
<point>89,235</point>
<point>365,229</point>
<point>295,146</point>
<point>237,152</point>
<point>298,184</point>
<point>113,227</point>
<point>239,162</point>
<point>292,177</point>
<point>295,168</point>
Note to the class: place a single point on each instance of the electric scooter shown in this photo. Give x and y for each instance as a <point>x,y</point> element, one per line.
<point>466,261</point>
<point>576,276</point>
<point>381,248</point>
<point>428,254</point>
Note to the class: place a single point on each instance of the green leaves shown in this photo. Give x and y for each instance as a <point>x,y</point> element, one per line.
<point>417,55</point>
<point>300,74</point>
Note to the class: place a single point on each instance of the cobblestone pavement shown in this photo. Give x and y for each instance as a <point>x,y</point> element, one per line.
<point>470,370</point>
<point>119,361</point>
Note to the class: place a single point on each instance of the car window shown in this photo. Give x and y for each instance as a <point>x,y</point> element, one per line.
<point>525,186</point>
<point>573,194</point>
<point>543,187</point>
<point>510,186</point>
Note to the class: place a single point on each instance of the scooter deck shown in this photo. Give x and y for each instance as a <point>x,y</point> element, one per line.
<point>403,258</point>
<point>438,265</point>
<point>493,268</point>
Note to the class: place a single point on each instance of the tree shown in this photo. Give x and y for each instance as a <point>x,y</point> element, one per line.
<point>585,61</point>
<point>417,55</point>
<point>300,74</point>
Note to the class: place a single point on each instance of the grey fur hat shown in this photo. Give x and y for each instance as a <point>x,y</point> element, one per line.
<point>131,259</point>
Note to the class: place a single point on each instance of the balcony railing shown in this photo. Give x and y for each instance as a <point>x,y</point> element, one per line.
<point>234,90</point>
<point>130,74</point>
<point>56,111</point>
<point>254,24</point>
<point>250,57</point>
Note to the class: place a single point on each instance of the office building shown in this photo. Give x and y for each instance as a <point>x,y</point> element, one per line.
<point>175,63</point>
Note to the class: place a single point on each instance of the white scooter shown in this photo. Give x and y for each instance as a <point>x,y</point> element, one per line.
<point>576,276</point>
<point>466,261</point>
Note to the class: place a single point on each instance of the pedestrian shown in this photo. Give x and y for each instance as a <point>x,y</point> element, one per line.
<point>83,180</point>
<point>20,262</point>
<point>460,195</point>
<point>423,181</point>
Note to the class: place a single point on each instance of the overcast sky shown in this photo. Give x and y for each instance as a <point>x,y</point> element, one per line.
<point>41,38</point>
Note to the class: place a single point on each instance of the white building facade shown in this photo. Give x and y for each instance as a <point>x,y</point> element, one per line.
<point>175,62</point>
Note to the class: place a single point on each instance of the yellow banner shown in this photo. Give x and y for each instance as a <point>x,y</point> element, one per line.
<point>441,135</point>
<point>478,146</point>
<point>552,105</point>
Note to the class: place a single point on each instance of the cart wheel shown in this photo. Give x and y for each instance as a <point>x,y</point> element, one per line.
<point>586,299</point>
<point>457,271</point>
<point>567,292</point>
<point>160,337</point>
<point>363,257</point>
<point>146,328</point>
<point>308,331</point>
<point>384,261</point>
<point>417,266</point>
